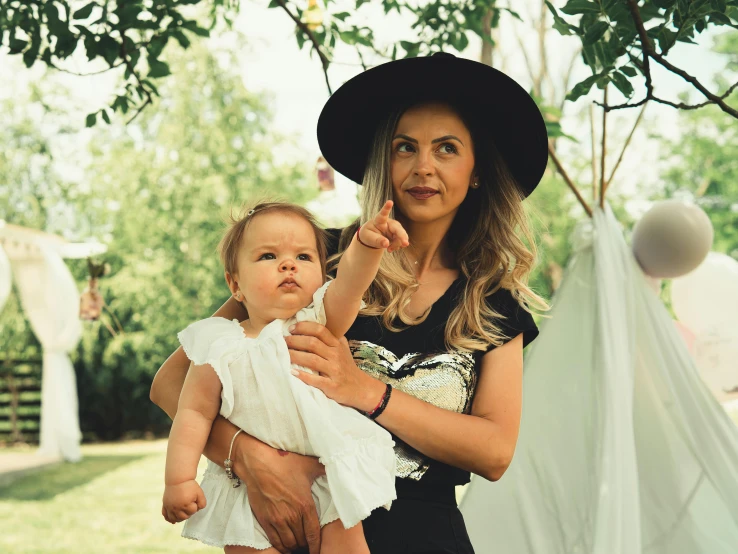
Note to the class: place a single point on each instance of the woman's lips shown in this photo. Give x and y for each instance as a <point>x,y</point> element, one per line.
<point>421,193</point>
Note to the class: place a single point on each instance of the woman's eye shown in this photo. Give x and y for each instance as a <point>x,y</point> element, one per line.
<point>304,257</point>
<point>448,149</point>
<point>405,147</point>
<point>267,256</point>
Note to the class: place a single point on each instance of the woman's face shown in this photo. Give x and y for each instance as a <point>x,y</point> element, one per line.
<point>432,163</point>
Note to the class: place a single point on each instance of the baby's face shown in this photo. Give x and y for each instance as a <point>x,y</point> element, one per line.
<point>278,265</point>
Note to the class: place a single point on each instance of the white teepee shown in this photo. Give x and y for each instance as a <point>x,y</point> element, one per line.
<point>622,449</point>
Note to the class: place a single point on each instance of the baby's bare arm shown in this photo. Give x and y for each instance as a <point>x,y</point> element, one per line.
<point>358,267</point>
<point>199,404</point>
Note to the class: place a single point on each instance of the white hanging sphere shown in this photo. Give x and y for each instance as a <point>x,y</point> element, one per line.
<point>672,239</point>
<point>706,300</point>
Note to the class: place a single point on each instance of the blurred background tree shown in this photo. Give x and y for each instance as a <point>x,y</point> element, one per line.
<point>156,191</point>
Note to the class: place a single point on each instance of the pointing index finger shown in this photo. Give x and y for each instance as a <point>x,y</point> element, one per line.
<point>384,213</point>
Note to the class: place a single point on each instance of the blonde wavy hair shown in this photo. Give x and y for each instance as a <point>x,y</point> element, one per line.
<point>499,251</point>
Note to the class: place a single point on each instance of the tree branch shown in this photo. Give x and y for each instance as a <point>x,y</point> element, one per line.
<point>625,146</point>
<point>646,47</point>
<point>56,67</point>
<point>304,28</point>
<point>129,66</point>
<point>603,152</point>
<point>568,180</point>
<point>594,152</point>
<point>650,52</point>
<point>713,98</point>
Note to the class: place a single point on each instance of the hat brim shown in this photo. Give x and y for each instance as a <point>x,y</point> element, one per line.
<point>501,107</point>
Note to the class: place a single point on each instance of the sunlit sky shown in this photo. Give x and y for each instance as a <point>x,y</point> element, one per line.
<point>272,63</point>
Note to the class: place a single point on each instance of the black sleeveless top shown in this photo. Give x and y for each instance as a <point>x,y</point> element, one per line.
<point>417,362</point>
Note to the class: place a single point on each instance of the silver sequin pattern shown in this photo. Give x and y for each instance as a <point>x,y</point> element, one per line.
<point>445,379</point>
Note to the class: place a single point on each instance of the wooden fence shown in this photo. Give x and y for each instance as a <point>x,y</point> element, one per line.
<point>20,400</point>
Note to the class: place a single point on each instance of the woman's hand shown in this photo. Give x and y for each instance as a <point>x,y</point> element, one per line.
<point>278,485</point>
<point>314,347</point>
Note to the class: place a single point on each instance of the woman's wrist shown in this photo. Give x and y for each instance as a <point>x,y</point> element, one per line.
<point>371,394</point>
<point>246,450</point>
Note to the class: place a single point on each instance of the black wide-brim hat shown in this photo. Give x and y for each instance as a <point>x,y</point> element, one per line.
<point>499,105</point>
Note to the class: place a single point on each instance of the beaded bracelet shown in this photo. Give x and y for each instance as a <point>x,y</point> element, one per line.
<point>228,463</point>
<point>377,411</point>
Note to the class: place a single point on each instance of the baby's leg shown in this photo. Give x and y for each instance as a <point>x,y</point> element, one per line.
<point>335,539</point>
<point>249,550</point>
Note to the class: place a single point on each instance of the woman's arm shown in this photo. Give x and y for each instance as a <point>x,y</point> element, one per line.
<point>482,442</point>
<point>278,483</point>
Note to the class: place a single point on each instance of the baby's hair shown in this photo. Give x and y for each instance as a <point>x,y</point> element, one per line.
<point>237,225</point>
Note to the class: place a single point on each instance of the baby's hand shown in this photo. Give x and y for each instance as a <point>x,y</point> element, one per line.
<point>383,231</point>
<point>182,501</point>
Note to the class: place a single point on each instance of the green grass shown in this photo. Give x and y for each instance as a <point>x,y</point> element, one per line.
<point>109,502</point>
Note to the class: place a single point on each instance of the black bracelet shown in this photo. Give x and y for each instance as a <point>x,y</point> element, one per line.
<point>382,405</point>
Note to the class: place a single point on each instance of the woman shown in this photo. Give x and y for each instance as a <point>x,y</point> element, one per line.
<point>457,145</point>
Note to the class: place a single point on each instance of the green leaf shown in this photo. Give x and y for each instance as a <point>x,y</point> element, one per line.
<point>195,28</point>
<point>349,37</point>
<point>108,48</point>
<point>560,23</point>
<point>342,16</point>
<point>574,7</point>
<point>105,116</point>
<point>91,120</point>
<point>629,71</point>
<point>719,19</point>
<point>91,47</point>
<point>718,5</point>
<point>274,4</point>
<point>623,84</point>
<point>17,45</point>
<point>184,42</point>
<point>595,32</point>
<point>157,45</point>
<point>151,86</point>
<point>84,13</point>
<point>158,69</point>
<point>583,87</point>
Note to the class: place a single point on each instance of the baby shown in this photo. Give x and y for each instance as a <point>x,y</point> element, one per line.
<point>275,265</point>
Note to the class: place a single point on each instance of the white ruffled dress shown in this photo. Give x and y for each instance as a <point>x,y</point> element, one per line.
<point>263,398</point>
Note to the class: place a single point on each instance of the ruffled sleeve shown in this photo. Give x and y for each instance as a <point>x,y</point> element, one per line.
<point>215,341</point>
<point>515,320</point>
<point>316,310</point>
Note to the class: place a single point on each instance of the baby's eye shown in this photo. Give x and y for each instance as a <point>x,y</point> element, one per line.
<point>268,256</point>
<point>304,257</point>
<point>448,148</point>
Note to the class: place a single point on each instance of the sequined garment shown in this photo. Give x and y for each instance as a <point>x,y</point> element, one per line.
<point>445,379</point>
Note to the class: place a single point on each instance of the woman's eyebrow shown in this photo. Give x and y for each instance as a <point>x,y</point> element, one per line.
<point>447,137</point>
<point>434,141</point>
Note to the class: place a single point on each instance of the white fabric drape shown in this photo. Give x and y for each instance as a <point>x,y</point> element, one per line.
<point>622,449</point>
<point>6,278</point>
<point>50,300</point>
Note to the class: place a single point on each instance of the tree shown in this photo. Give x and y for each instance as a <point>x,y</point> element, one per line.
<point>132,35</point>
<point>620,40</point>
<point>162,189</point>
